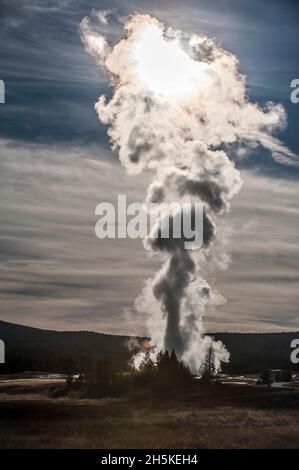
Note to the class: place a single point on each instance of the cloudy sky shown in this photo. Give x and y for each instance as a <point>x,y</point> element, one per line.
<point>56,166</point>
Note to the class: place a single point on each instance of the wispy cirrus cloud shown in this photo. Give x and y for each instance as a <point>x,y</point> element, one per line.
<point>55,273</point>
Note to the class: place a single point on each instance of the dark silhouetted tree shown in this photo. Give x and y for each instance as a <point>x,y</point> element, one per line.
<point>208,370</point>
<point>266,377</point>
<point>170,371</point>
<point>147,365</point>
<point>68,369</point>
<point>104,372</point>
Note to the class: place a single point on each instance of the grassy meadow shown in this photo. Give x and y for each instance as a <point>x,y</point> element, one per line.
<point>219,416</point>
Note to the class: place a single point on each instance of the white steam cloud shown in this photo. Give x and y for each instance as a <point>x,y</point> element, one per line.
<point>178,100</point>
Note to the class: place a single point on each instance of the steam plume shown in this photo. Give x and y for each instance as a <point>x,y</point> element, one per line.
<point>178,102</point>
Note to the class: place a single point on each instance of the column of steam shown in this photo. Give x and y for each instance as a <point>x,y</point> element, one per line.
<point>179,280</point>
<point>177,99</point>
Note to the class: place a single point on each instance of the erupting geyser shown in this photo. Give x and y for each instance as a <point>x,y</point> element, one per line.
<point>178,102</point>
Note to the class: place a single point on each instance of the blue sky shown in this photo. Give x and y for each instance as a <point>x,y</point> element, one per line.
<point>56,166</point>
<point>51,80</point>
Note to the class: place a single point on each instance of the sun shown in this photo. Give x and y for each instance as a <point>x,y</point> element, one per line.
<point>163,66</point>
